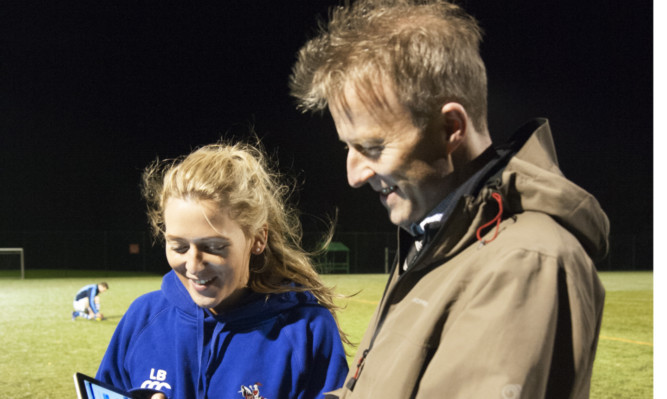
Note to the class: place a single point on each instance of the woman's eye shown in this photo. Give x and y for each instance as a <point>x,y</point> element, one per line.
<point>216,248</point>
<point>180,249</point>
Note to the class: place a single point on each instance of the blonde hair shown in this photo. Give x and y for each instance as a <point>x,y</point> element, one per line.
<point>427,50</point>
<point>238,179</point>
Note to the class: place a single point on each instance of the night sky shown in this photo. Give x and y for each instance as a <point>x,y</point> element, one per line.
<point>91,92</point>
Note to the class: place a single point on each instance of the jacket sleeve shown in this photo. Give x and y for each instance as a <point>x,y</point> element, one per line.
<point>508,335</point>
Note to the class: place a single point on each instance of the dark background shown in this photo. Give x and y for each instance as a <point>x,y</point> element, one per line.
<point>91,92</point>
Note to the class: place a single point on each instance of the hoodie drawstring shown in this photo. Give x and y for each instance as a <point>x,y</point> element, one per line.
<point>497,219</point>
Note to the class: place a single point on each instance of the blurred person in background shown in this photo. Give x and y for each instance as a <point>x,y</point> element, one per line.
<point>87,302</point>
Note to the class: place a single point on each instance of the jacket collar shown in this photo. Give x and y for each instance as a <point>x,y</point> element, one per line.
<point>530,153</point>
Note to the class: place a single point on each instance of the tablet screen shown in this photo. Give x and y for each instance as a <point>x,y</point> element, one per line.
<point>90,388</point>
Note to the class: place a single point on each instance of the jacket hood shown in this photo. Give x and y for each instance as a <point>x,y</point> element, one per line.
<point>532,181</point>
<point>525,173</point>
<point>258,308</point>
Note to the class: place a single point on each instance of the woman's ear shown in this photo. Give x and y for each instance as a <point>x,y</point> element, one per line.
<point>260,239</point>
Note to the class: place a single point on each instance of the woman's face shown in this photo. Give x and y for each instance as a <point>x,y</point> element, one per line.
<point>209,252</point>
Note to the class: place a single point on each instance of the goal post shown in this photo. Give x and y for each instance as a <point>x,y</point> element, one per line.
<point>16,251</point>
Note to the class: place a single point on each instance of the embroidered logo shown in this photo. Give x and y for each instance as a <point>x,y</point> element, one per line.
<point>420,301</point>
<point>251,391</point>
<point>511,391</point>
<point>156,381</point>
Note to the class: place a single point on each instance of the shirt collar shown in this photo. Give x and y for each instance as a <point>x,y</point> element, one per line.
<point>435,216</point>
<point>443,210</point>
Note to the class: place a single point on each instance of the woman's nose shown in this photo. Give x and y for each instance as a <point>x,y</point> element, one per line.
<point>194,260</point>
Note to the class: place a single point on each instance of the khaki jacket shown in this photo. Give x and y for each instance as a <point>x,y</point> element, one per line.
<point>515,316</point>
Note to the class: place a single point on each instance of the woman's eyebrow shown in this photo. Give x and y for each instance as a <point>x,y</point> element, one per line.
<point>206,240</point>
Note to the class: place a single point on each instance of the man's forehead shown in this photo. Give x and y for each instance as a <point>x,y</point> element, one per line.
<point>368,119</point>
<point>375,97</point>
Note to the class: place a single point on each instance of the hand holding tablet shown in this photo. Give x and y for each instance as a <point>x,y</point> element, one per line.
<point>89,388</point>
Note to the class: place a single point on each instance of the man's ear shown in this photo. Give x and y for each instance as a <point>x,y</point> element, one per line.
<point>455,120</point>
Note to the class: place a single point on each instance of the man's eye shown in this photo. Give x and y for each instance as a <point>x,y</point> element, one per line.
<point>369,151</point>
<point>374,151</point>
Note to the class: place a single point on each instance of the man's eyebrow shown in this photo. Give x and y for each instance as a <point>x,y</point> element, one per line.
<point>370,142</point>
<point>374,140</point>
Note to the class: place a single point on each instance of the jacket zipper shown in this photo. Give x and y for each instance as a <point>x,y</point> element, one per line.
<point>383,313</point>
<point>494,184</point>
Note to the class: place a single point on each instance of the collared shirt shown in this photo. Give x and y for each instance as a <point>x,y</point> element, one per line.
<point>427,227</point>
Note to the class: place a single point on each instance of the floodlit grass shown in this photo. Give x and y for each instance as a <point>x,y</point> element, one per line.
<point>42,347</point>
<point>624,362</point>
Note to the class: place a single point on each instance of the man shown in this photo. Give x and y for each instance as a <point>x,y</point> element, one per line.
<point>494,293</point>
<point>87,301</point>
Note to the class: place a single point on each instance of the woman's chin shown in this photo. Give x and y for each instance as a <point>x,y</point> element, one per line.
<point>204,301</point>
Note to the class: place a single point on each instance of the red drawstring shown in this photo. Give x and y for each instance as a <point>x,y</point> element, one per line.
<point>356,374</point>
<point>359,363</point>
<point>495,220</point>
<point>353,381</point>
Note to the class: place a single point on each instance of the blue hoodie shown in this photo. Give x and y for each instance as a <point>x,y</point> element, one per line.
<point>287,344</point>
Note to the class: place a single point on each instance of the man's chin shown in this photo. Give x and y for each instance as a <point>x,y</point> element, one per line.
<point>404,220</point>
<point>400,221</point>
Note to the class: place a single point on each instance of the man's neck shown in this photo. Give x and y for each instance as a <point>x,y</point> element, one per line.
<point>476,143</point>
<point>459,186</point>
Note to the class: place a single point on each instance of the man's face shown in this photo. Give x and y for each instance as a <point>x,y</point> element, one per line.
<point>406,165</point>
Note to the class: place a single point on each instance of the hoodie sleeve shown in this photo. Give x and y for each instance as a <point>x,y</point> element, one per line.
<point>113,370</point>
<point>328,366</point>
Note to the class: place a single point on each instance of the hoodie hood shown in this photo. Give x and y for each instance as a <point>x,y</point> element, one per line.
<point>258,308</point>
<point>285,341</point>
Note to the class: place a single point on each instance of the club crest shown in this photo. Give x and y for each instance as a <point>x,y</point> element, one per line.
<point>251,391</point>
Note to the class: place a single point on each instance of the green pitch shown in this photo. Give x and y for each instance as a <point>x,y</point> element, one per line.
<point>42,347</point>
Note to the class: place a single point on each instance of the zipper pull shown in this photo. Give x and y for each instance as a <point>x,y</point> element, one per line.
<point>353,381</point>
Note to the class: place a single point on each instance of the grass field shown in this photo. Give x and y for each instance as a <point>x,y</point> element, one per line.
<point>42,347</point>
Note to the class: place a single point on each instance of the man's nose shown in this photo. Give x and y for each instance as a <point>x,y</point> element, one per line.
<point>358,169</point>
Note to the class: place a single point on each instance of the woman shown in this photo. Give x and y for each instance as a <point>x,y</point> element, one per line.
<point>242,313</point>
